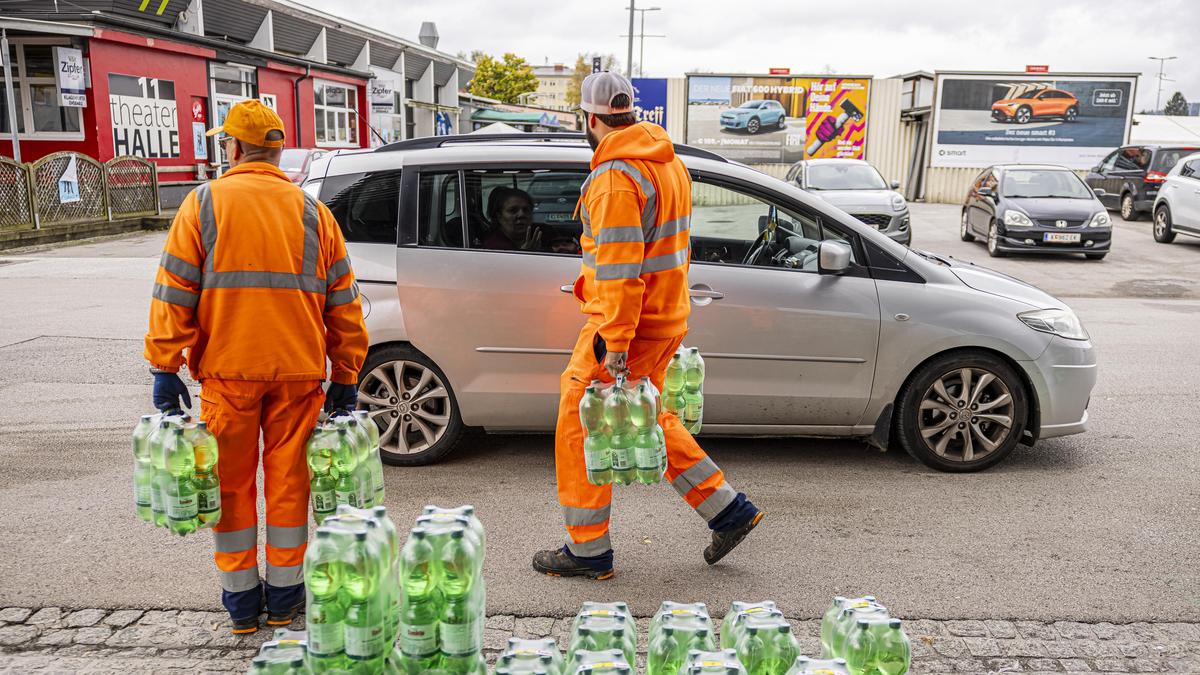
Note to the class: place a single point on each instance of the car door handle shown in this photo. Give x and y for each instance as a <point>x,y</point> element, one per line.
<point>567,288</point>
<point>705,293</point>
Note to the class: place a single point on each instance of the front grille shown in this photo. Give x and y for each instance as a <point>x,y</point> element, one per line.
<point>879,220</point>
<point>1053,223</point>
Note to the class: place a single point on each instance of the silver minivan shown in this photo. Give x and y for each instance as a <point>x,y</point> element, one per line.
<point>811,323</point>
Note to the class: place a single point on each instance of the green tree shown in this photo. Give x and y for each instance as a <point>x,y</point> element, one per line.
<point>503,79</point>
<point>1178,105</point>
<point>583,68</point>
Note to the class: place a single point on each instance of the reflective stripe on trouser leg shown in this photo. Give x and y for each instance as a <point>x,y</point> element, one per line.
<point>289,411</point>
<point>285,554</point>
<point>692,473</point>
<point>585,506</point>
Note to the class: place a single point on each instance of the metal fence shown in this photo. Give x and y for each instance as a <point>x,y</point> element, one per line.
<point>67,187</point>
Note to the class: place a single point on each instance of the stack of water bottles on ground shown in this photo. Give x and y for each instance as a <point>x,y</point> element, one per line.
<point>857,638</point>
<point>376,607</point>
<point>344,465</point>
<point>175,482</point>
<point>625,443</point>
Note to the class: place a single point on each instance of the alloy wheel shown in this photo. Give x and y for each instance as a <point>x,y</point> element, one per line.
<point>962,225</point>
<point>409,403</point>
<point>1126,207</point>
<point>993,241</point>
<point>1071,114</point>
<point>1023,116</point>
<point>752,126</point>
<point>966,414</point>
<point>1160,223</point>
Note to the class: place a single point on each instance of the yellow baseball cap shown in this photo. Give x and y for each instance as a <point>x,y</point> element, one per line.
<point>250,121</point>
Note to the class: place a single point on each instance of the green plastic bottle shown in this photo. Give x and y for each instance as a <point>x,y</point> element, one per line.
<point>673,401</point>
<point>712,662</point>
<point>621,433</point>
<point>693,390</point>
<point>645,444</point>
<point>784,648</point>
<point>143,469</point>
<point>806,666</point>
<point>182,507</point>
<point>848,621</point>
<point>325,615</point>
<point>366,646</point>
<point>597,455</point>
<point>157,445</point>
<point>666,653</point>
<point>830,621</point>
<point>344,453</point>
<point>878,647</point>
<point>374,463</point>
<point>324,497</point>
<point>207,482</point>
<point>737,616</point>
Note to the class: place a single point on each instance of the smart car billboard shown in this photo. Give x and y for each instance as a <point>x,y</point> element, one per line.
<point>989,118</point>
<point>778,119</point>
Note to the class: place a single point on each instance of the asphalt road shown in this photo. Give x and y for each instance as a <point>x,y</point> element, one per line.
<point>1100,526</point>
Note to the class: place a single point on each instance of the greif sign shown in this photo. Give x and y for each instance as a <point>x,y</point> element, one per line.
<point>69,77</point>
<point>650,100</point>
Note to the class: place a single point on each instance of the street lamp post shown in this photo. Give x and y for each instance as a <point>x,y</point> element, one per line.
<point>1162,60</point>
<point>641,39</point>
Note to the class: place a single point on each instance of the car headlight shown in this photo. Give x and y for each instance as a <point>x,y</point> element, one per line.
<point>1101,219</point>
<point>1017,219</point>
<point>1060,322</point>
<point>897,203</point>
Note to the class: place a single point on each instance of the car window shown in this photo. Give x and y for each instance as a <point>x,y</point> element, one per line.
<point>728,223</point>
<point>1132,159</point>
<point>1191,169</point>
<point>1166,158</point>
<point>1109,162</point>
<point>1038,183</point>
<point>531,210</point>
<point>439,217</point>
<point>844,176</point>
<point>366,205</point>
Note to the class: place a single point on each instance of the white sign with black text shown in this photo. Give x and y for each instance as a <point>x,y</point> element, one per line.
<point>383,99</point>
<point>145,118</point>
<point>69,76</point>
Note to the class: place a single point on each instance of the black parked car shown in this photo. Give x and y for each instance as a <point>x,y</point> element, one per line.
<point>1036,208</point>
<point>1131,176</point>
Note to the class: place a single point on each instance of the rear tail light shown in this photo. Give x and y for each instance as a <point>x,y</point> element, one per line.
<point>1155,177</point>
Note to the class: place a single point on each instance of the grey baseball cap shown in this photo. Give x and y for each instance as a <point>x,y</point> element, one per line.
<point>599,89</point>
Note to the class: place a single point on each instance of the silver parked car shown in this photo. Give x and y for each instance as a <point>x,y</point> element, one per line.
<point>857,188</point>
<point>812,323</point>
<point>1177,206</point>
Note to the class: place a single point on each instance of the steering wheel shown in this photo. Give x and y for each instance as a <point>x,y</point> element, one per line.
<point>767,241</point>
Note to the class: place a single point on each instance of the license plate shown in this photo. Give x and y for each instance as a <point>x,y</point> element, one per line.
<point>1061,237</point>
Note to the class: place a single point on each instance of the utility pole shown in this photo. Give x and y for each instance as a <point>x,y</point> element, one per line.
<point>642,38</point>
<point>1162,60</point>
<point>629,55</point>
<point>13,120</point>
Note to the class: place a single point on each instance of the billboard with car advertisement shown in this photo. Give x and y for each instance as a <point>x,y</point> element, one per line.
<point>1074,120</point>
<point>778,119</point>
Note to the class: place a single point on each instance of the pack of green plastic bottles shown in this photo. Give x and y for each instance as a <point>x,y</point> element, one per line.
<point>724,662</point>
<point>441,614</point>
<point>344,465</point>
<point>284,654</point>
<point>603,627</point>
<point>175,480</point>
<point>675,631</point>
<point>531,657</point>
<point>860,631</point>
<point>604,662</point>
<point>807,666</point>
<point>683,388</point>
<point>624,443</point>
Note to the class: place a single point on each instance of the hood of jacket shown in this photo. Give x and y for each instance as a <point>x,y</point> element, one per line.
<point>643,140</point>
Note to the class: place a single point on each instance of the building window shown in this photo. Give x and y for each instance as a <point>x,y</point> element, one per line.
<point>336,114</point>
<point>410,122</point>
<point>39,115</point>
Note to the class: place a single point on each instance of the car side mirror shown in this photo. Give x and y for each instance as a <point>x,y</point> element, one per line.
<point>833,257</point>
<point>1099,192</point>
<point>984,192</point>
<point>895,185</point>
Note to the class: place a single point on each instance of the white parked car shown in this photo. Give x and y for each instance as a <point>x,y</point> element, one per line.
<point>1177,206</point>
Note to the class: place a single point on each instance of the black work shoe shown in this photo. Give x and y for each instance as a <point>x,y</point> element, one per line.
<point>286,616</point>
<point>724,542</point>
<point>245,626</point>
<point>556,563</point>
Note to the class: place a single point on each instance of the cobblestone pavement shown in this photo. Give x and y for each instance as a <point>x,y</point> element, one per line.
<point>129,641</point>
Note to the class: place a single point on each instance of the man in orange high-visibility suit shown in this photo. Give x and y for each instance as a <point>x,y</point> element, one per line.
<point>636,210</point>
<point>255,284</point>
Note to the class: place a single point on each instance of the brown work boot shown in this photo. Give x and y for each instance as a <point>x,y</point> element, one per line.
<point>556,563</point>
<point>724,542</point>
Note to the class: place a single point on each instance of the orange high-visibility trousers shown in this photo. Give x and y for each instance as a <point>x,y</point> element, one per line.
<point>285,412</point>
<point>586,507</point>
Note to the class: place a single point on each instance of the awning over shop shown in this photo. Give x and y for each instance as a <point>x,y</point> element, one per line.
<point>540,119</point>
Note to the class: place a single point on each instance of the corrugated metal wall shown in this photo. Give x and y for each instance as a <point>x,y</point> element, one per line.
<point>947,185</point>
<point>677,109</point>
<point>889,139</point>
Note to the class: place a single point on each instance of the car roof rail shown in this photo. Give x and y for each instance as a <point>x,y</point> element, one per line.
<point>430,142</point>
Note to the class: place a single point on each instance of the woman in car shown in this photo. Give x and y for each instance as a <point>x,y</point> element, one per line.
<point>510,211</point>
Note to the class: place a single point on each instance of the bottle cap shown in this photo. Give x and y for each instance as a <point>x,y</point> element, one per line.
<point>202,424</point>
<point>179,431</point>
<point>784,628</point>
<point>164,424</point>
<point>457,534</point>
<point>863,623</point>
<point>894,623</point>
<point>147,418</point>
<point>322,533</point>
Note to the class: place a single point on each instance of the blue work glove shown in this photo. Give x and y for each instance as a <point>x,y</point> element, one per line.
<point>341,397</point>
<point>168,389</point>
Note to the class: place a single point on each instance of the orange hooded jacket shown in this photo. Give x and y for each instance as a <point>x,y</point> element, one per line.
<point>255,283</point>
<point>636,210</point>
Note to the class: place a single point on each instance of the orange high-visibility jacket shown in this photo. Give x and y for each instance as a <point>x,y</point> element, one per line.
<point>255,283</point>
<point>636,209</point>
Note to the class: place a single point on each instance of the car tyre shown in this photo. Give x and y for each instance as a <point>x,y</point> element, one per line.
<point>935,391</point>
<point>1128,212</point>
<point>1163,232</point>
<point>1095,256</point>
<point>1023,115</point>
<point>753,126</point>
<point>993,241</point>
<point>964,230</point>
<point>1072,114</point>
<point>418,418</point>
<point>783,121</point>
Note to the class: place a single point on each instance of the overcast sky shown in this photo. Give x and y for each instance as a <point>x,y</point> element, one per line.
<point>864,37</point>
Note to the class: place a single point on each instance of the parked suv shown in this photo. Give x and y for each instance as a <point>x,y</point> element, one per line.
<point>811,322</point>
<point>1037,103</point>
<point>1131,176</point>
<point>754,116</point>
<point>1177,208</point>
<point>857,188</point>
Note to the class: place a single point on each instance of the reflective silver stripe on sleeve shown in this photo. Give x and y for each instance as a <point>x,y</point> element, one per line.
<point>284,576</point>
<point>591,548</point>
<point>713,506</point>
<point>620,233</point>
<point>287,537</point>
<point>263,280</point>
<point>236,541</point>
<point>670,229</point>
<point>614,272</point>
<point>694,475</point>
<point>660,263</point>
<point>208,225</point>
<point>180,268</point>
<point>240,580</point>
<point>586,218</point>
<point>649,213</point>
<point>342,297</point>
<point>575,516</point>
<point>312,245</point>
<point>175,296</point>
<point>589,259</point>
<point>337,270</point>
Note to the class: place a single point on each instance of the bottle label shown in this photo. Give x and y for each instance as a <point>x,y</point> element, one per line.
<point>156,500</point>
<point>350,497</point>
<point>622,458</point>
<point>459,638</point>
<point>325,639</point>
<point>324,501</point>
<point>598,460</point>
<point>647,458</point>
<point>418,640</point>
<point>143,495</point>
<point>364,643</point>
<point>208,500</point>
<point>181,507</point>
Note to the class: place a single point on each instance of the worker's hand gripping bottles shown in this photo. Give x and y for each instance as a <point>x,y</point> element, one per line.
<point>344,464</point>
<point>675,631</point>
<point>860,631</point>
<point>625,443</point>
<point>175,479</point>
<point>531,657</point>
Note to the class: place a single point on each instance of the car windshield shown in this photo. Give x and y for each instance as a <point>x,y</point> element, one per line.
<point>837,176</point>
<point>750,104</point>
<point>1047,183</point>
<point>1030,94</point>
<point>292,160</point>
